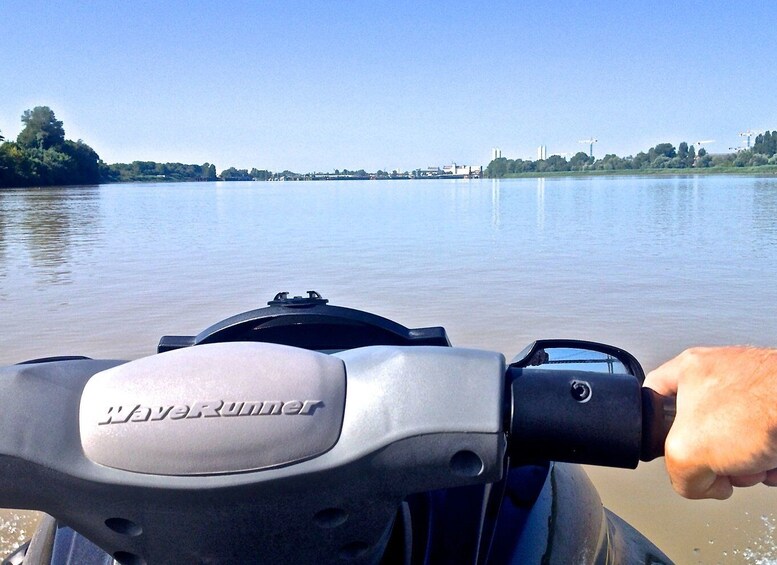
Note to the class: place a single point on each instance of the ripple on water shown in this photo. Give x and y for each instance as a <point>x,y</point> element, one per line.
<point>16,527</point>
<point>762,549</point>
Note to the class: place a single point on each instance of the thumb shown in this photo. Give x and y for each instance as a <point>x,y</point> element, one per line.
<point>663,380</point>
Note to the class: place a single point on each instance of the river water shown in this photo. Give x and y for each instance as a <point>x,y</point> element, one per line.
<point>653,265</point>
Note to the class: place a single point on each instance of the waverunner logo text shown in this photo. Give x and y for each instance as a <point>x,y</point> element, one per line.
<point>209,409</point>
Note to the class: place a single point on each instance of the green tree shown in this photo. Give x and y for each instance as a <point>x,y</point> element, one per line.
<point>743,158</point>
<point>85,168</point>
<point>235,174</point>
<point>758,159</point>
<point>208,171</point>
<point>42,129</point>
<point>726,160</point>
<point>257,174</point>
<point>665,149</point>
<point>579,161</point>
<point>766,143</point>
<point>641,160</point>
<point>497,168</point>
<point>556,163</point>
<point>612,162</point>
<point>682,155</point>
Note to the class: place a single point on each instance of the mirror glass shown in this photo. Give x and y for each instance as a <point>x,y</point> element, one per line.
<point>566,358</point>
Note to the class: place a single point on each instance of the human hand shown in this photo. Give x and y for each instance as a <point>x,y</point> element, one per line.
<point>725,432</point>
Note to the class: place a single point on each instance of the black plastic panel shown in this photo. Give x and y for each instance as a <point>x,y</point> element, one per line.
<point>314,325</point>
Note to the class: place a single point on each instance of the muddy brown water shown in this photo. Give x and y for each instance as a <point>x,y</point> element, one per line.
<point>653,265</point>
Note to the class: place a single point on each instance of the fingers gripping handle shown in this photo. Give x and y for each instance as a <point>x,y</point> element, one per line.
<point>658,414</point>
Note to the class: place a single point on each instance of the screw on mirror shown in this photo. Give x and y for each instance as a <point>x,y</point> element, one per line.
<point>581,391</point>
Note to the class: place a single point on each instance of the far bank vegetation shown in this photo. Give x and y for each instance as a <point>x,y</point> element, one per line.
<point>663,157</point>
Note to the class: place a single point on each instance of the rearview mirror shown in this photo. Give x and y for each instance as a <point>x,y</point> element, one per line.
<point>578,355</point>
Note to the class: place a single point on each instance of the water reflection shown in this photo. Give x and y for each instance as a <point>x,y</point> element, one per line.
<point>541,204</point>
<point>764,212</point>
<point>496,211</point>
<point>49,223</point>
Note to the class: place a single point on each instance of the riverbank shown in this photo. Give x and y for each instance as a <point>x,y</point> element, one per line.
<point>763,170</point>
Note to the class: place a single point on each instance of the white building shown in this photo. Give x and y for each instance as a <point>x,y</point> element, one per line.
<point>542,152</point>
<point>463,170</point>
<point>496,153</point>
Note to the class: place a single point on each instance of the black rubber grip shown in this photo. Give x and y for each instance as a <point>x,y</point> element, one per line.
<point>658,414</point>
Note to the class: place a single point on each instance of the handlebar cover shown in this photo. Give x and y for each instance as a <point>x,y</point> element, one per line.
<point>658,414</point>
<point>584,417</point>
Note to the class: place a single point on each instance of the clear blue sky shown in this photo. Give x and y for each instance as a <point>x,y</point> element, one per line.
<point>319,85</point>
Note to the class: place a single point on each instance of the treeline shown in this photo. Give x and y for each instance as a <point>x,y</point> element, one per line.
<point>139,171</point>
<point>41,156</point>
<point>662,156</point>
<point>244,174</point>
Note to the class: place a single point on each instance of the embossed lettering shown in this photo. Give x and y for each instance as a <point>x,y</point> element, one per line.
<point>179,412</point>
<point>209,409</point>
<point>118,414</point>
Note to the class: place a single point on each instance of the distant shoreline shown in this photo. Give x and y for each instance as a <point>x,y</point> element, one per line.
<point>759,171</point>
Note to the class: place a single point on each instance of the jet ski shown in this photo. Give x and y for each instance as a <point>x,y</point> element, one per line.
<point>304,432</point>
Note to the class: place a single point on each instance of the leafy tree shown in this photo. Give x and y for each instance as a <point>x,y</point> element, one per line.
<point>579,161</point>
<point>758,159</point>
<point>208,171</point>
<point>682,151</point>
<point>641,160</point>
<point>264,174</point>
<point>42,129</point>
<point>612,162</point>
<point>676,162</point>
<point>743,158</point>
<point>497,168</point>
<point>723,160</point>
<point>85,168</point>
<point>235,174</point>
<point>766,143</point>
<point>666,149</point>
<point>555,163</point>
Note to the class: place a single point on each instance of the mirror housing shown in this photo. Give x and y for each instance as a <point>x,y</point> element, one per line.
<point>576,354</point>
<point>576,401</point>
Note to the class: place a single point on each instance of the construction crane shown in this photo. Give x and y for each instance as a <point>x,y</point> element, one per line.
<point>748,134</point>
<point>590,143</point>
